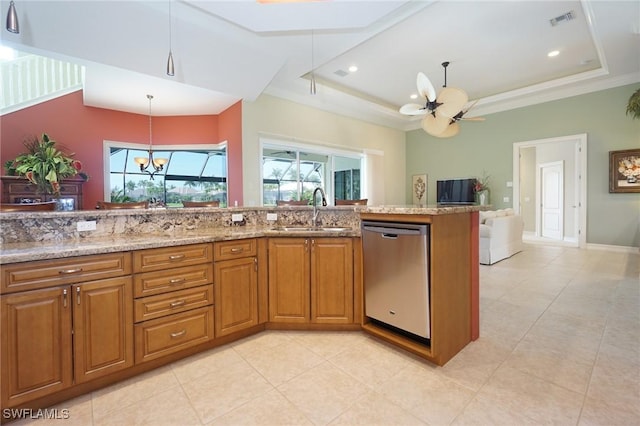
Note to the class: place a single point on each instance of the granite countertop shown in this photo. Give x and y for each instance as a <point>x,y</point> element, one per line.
<point>42,250</point>
<point>184,229</point>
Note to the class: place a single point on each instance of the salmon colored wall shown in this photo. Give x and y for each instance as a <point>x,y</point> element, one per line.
<point>81,129</point>
<point>230,129</point>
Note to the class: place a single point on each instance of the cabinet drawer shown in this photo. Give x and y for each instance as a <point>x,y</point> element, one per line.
<point>171,257</point>
<point>172,303</point>
<point>163,336</point>
<point>49,273</point>
<point>235,249</point>
<point>158,282</point>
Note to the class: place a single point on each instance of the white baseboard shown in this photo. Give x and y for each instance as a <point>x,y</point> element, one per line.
<point>619,249</point>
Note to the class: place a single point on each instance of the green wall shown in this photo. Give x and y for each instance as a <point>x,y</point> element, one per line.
<point>612,219</point>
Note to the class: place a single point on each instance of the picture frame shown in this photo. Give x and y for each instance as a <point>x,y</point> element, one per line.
<point>419,189</point>
<point>624,171</point>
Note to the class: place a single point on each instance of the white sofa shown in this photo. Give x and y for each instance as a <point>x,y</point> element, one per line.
<point>500,235</point>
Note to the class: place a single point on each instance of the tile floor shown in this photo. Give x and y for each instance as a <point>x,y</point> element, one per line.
<point>560,344</point>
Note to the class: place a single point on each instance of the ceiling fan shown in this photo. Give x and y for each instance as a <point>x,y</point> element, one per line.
<point>442,112</point>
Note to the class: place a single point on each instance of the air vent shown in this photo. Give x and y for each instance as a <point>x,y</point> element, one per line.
<point>341,73</point>
<point>569,16</point>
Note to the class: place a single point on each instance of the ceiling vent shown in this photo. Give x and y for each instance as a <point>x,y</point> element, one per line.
<point>341,73</point>
<point>569,16</point>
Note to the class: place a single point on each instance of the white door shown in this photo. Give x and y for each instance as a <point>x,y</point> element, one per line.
<point>552,200</point>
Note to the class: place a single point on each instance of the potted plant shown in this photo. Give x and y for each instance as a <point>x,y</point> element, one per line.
<point>44,165</point>
<point>481,188</point>
<point>633,106</point>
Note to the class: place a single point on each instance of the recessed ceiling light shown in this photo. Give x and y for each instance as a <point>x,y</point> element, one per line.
<point>413,96</point>
<point>353,68</point>
<point>553,53</point>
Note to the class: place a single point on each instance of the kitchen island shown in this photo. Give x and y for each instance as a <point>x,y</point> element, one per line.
<point>180,281</point>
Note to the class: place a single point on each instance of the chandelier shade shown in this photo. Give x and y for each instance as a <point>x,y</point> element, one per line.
<point>13,26</point>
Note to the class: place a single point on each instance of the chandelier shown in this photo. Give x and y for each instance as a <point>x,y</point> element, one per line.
<point>144,162</point>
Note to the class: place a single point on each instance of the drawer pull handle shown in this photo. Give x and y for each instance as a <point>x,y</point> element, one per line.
<point>237,250</point>
<point>70,271</point>
<point>176,257</point>
<point>175,281</point>
<point>177,303</point>
<point>178,334</point>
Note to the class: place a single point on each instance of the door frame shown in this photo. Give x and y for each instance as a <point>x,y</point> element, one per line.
<point>580,189</point>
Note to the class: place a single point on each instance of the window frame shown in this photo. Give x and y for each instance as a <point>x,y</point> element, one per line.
<point>107,146</point>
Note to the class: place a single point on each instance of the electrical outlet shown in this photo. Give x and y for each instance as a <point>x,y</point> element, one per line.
<point>510,184</point>
<point>237,217</point>
<point>272,216</point>
<point>505,199</point>
<point>86,225</point>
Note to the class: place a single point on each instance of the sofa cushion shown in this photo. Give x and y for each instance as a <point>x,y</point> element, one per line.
<point>488,214</point>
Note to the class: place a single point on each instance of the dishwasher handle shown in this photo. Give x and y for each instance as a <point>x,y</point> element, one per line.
<point>389,232</point>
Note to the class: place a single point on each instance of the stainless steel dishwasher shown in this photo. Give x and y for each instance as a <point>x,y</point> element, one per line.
<point>396,275</point>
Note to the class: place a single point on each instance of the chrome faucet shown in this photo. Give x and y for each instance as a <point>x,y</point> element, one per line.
<point>315,206</point>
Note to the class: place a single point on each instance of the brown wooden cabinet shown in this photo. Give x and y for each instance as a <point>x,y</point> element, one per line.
<point>174,299</point>
<point>236,286</point>
<point>311,280</point>
<point>39,356</point>
<point>16,189</point>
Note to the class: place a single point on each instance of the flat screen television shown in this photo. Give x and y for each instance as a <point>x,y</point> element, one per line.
<point>455,191</point>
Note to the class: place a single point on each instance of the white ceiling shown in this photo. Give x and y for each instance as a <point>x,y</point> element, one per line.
<point>225,51</point>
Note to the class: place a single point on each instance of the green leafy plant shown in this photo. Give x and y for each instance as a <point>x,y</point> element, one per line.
<point>633,107</point>
<point>44,165</point>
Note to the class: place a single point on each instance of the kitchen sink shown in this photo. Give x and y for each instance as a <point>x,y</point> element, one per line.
<point>311,228</point>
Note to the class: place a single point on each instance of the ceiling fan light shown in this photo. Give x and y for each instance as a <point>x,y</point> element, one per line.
<point>13,26</point>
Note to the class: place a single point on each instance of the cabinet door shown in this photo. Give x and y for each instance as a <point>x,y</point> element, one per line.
<point>332,280</point>
<point>36,344</point>
<point>289,294</point>
<point>103,327</point>
<point>236,295</point>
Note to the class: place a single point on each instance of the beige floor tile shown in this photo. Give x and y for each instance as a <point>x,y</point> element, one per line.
<point>597,412</point>
<point>526,296</point>
<point>426,394</point>
<point>473,366</point>
<point>260,341</point>
<point>131,391</point>
<point>197,365</point>
<point>482,413</point>
<point>283,362</point>
<point>225,389</point>
<point>272,408</point>
<point>170,407</point>
<point>373,409</point>
<point>527,395</point>
<point>327,344</point>
<point>615,381</point>
<point>372,362</point>
<point>323,393</point>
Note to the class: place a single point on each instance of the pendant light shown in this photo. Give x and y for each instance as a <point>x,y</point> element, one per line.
<point>312,87</point>
<point>144,162</point>
<point>170,68</point>
<point>12,19</point>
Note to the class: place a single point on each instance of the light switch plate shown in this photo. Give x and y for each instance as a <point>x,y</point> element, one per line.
<point>272,216</point>
<point>510,184</point>
<point>236,217</point>
<point>86,225</point>
<point>505,199</point>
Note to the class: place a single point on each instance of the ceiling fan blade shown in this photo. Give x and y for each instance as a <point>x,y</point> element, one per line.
<point>413,109</point>
<point>435,125</point>
<point>425,88</point>
<point>452,130</point>
<point>473,118</point>
<point>452,100</point>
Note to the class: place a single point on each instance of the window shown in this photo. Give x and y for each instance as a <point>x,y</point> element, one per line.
<point>193,173</point>
<point>292,173</point>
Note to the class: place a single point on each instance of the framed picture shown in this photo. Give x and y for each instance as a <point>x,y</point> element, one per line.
<point>419,189</point>
<point>624,170</point>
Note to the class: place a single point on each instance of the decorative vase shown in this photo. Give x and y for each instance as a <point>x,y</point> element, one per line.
<point>483,197</point>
